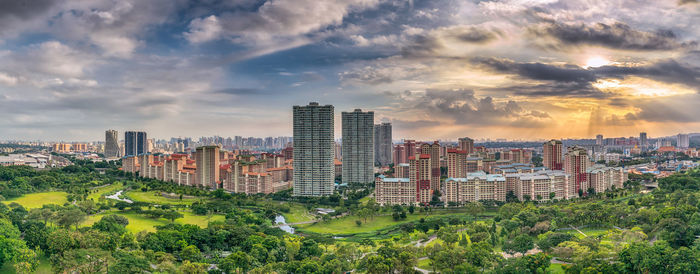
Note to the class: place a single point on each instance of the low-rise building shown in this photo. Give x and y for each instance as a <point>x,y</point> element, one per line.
<point>476,186</point>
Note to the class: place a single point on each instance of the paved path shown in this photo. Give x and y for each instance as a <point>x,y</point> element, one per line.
<point>579,231</point>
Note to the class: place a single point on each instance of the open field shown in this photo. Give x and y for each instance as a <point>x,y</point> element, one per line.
<point>589,231</point>
<point>424,264</point>
<point>37,200</point>
<point>555,269</point>
<point>139,223</point>
<point>297,213</point>
<point>104,190</point>
<point>155,197</point>
<point>347,226</point>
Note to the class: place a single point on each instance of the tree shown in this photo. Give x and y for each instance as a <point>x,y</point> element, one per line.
<point>520,244</point>
<point>172,215</point>
<point>377,264</point>
<point>474,208</point>
<point>193,268</point>
<point>69,217</point>
<point>112,223</point>
<point>25,261</point>
<point>236,261</point>
<point>191,253</point>
<point>448,235</point>
<point>91,260</point>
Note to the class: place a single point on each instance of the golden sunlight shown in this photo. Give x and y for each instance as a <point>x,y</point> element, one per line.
<point>596,61</point>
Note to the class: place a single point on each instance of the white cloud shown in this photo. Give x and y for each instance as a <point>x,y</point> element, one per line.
<point>203,30</point>
<point>7,79</point>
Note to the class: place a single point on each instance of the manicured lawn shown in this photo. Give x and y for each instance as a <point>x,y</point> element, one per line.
<point>155,198</point>
<point>555,269</point>
<point>139,223</point>
<point>101,191</point>
<point>589,231</point>
<point>298,213</point>
<point>37,200</point>
<point>424,264</point>
<point>347,225</point>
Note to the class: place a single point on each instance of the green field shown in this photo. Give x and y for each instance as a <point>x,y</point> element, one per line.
<point>139,223</point>
<point>297,213</point>
<point>154,198</point>
<point>589,231</point>
<point>347,225</point>
<point>104,190</point>
<point>37,200</point>
<point>555,269</point>
<point>424,264</point>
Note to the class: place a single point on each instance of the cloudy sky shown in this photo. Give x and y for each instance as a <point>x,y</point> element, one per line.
<point>435,69</point>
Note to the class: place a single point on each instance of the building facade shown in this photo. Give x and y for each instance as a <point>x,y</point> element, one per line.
<point>135,143</point>
<point>576,162</point>
<point>208,171</point>
<point>358,147</point>
<point>111,144</point>
<point>382,144</point>
<point>314,173</point>
<point>551,155</point>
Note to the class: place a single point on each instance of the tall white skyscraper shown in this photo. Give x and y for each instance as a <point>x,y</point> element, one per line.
<point>111,144</point>
<point>314,168</point>
<point>682,141</point>
<point>382,144</point>
<point>358,147</point>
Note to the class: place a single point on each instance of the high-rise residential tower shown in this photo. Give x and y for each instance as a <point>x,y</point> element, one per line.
<point>358,147</point>
<point>207,160</point>
<point>599,139</point>
<point>314,168</point>
<point>682,141</point>
<point>466,144</point>
<point>643,139</point>
<point>135,143</point>
<point>382,144</point>
<point>576,162</point>
<point>111,143</point>
<point>551,152</point>
<point>433,151</point>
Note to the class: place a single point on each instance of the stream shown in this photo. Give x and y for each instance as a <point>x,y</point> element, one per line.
<point>280,220</point>
<point>115,196</point>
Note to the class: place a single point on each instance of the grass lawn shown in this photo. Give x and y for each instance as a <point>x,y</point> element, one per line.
<point>155,198</point>
<point>43,268</point>
<point>37,200</point>
<point>555,269</point>
<point>347,225</point>
<point>590,232</point>
<point>104,190</point>
<point>424,264</point>
<point>297,213</point>
<point>139,223</point>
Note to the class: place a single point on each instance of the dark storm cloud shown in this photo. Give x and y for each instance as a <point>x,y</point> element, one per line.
<point>669,71</point>
<point>24,9</point>
<point>431,43</point>
<point>464,107</point>
<point>616,35</point>
<point>538,71</point>
<point>575,81</point>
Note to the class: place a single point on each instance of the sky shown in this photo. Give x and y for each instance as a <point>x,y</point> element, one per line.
<point>435,69</point>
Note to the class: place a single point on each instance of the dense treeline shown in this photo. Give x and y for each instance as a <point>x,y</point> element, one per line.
<point>639,233</point>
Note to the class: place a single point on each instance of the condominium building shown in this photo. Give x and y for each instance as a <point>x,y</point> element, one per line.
<point>466,144</point>
<point>433,150</point>
<point>402,170</point>
<point>358,147</point>
<point>420,175</point>
<point>682,141</point>
<point>135,143</point>
<point>643,142</point>
<point>207,160</point>
<point>552,151</point>
<point>394,191</point>
<point>576,162</point>
<point>314,173</point>
<point>111,144</point>
<point>400,155</point>
<point>382,144</point>
<point>456,163</point>
<point>599,140</point>
<point>477,186</point>
<point>542,185</point>
<point>602,178</point>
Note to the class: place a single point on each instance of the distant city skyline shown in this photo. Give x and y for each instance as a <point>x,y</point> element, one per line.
<point>438,69</point>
